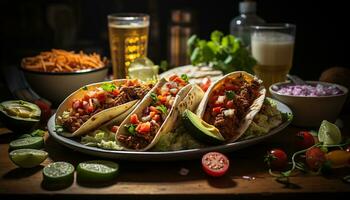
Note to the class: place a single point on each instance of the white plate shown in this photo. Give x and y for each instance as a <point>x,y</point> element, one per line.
<point>161,156</point>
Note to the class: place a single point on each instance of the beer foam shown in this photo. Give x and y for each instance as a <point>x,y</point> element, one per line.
<point>129,25</point>
<point>272,37</point>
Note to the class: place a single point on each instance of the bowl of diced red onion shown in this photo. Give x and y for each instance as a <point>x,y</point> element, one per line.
<point>311,103</point>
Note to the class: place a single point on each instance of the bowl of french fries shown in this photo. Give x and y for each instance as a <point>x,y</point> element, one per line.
<point>57,73</point>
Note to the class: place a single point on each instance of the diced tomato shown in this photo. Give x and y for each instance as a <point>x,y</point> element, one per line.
<point>86,97</point>
<point>216,110</point>
<point>115,92</point>
<point>101,96</point>
<point>213,98</point>
<point>156,117</point>
<point>77,104</point>
<point>144,128</point>
<point>162,99</point>
<point>134,119</point>
<point>171,78</point>
<point>205,84</point>
<point>229,104</point>
<point>151,114</point>
<point>153,109</point>
<point>230,86</point>
<point>89,109</point>
<point>114,129</point>
<point>179,81</point>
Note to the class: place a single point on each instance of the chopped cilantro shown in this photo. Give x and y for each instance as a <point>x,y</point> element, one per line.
<point>184,77</point>
<point>131,129</point>
<point>85,88</point>
<point>154,98</point>
<point>108,87</point>
<point>230,94</point>
<point>162,109</point>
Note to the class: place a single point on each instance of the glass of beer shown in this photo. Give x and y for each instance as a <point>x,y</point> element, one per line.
<point>272,46</point>
<point>128,38</point>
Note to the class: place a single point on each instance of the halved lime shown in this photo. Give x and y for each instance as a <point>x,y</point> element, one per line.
<point>329,133</point>
<point>59,173</point>
<point>27,143</point>
<point>143,68</point>
<point>28,158</point>
<point>97,170</point>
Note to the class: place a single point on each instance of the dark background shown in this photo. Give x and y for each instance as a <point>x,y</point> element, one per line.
<point>28,27</point>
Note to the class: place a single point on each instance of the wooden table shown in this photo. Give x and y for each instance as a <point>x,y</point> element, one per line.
<point>162,179</point>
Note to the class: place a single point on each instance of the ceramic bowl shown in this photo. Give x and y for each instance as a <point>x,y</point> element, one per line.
<point>309,111</point>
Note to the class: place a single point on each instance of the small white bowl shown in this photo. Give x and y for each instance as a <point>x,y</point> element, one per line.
<point>309,111</point>
<point>56,86</point>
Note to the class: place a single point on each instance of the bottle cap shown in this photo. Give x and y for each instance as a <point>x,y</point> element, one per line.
<point>247,7</point>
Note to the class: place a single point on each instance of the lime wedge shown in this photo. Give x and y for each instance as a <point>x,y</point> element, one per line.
<point>329,133</point>
<point>59,173</point>
<point>27,143</point>
<point>143,68</point>
<point>28,158</point>
<point>97,170</point>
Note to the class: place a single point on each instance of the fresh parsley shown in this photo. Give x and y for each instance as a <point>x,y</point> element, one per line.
<point>230,94</point>
<point>108,87</point>
<point>162,109</point>
<point>131,128</point>
<point>224,53</point>
<point>184,77</point>
<point>154,98</point>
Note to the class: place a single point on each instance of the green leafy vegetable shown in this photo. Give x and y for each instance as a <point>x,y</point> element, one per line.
<point>224,53</point>
<point>108,87</point>
<point>184,77</point>
<point>230,94</point>
<point>162,109</point>
<point>154,98</point>
<point>131,128</point>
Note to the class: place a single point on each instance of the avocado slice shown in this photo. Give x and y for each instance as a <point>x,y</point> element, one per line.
<point>200,129</point>
<point>19,115</point>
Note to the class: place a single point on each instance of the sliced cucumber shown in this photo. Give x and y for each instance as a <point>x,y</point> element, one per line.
<point>28,158</point>
<point>97,171</point>
<point>59,173</point>
<point>200,129</point>
<point>27,143</point>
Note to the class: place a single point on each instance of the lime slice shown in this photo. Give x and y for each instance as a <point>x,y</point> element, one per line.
<point>28,158</point>
<point>27,143</point>
<point>59,173</point>
<point>329,133</point>
<point>143,69</point>
<point>97,170</point>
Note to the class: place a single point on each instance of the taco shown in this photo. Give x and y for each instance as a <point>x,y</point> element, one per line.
<point>231,103</point>
<point>157,113</point>
<point>95,104</point>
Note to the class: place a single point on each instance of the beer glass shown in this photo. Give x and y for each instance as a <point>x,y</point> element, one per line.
<point>128,38</point>
<point>272,46</point>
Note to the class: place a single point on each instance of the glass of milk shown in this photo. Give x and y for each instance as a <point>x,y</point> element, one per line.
<point>272,46</point>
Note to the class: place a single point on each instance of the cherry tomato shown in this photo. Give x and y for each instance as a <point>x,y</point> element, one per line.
<point>205,84</point>
<point>315,158</point>
<point>338,158</point>
<point>304,140</point>
<point>134,119</point>
<point>215,164</point>
<point>276,159</point>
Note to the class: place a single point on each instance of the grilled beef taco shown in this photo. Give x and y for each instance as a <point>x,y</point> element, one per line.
<point>231,103</point>
<point>157,113</point>
<point>95,104</point>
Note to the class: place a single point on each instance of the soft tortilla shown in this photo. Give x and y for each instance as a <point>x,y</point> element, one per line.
<point>253,109</point>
